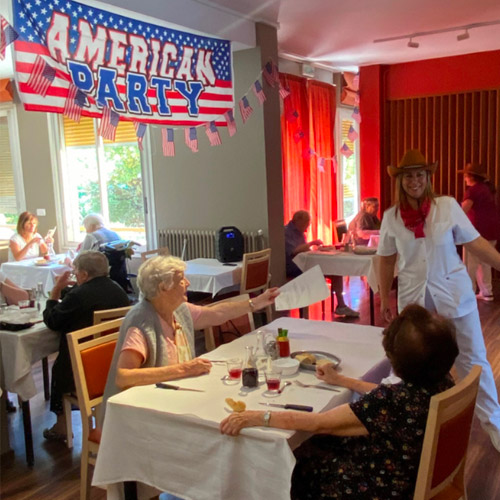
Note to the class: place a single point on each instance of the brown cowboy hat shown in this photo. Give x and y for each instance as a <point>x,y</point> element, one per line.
<point>474,169</point>
<point>412,159</point>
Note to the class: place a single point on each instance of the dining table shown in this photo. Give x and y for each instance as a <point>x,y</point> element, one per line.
<point>19,351</point>
<point>212,276</point>
<point>342,263</point>
<point>156,439</point>
<point>27,273</point>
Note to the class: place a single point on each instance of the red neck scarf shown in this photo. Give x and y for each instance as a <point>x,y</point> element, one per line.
<point>414,220</point>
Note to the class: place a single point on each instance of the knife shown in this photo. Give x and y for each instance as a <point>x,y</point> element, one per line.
<point>324,388</point>
<point>290,407</point>
<point>162,385</point>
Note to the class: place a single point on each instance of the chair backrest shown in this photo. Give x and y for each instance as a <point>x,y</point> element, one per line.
<point>442,463</point>
<point>255,271</point>
<point>155,252</point>
<point>110,314</point>
<point>340,229</point>
<point>91,353</point>
<point>234,328</point>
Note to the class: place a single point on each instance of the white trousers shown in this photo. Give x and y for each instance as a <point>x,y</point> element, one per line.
<point>479,272</point>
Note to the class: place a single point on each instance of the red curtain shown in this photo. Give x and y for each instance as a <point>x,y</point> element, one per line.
<point>305,186</point>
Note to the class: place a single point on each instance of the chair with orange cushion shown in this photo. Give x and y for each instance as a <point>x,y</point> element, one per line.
<point>91,354</point>
<point>110,314</point>
<point>255,275</point>
<point>442,463</point>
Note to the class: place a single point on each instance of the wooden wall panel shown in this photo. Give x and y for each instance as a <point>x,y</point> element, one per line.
<point>453,129</point>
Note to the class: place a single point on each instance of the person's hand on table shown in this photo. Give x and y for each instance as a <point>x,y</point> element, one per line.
<point>266,298</point>
<point>233,424</point>
<point>197,366</point>
<point>315,242</point>
<point>328,374</point>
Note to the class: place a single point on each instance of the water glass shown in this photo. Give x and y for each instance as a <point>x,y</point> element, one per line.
<point>234,368</point>
<point>273,380</point>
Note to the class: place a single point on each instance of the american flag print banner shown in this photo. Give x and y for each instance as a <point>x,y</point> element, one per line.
<point>167,136</point>
<point>245,109</point>
<point>140,131</point>
<point>191,139</point>
<point>259,92</point>
<point>109,122</point>
<point>213,134</point>
<point>42,76</point>
<point>7,36</point>
<point>346,150</point>
<point>138,68</point>
<point>74,103</point>
<point>352,135</point>
<point>231,124</point>
<point>356,115</point>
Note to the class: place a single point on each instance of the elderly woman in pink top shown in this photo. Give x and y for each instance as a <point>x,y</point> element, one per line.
<point>156,341</point>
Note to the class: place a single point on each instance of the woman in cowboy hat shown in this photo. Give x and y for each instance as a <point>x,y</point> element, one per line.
<point>422,229</point>
<point>479,204</point>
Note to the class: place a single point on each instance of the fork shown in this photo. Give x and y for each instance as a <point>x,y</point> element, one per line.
<point>300,384</point>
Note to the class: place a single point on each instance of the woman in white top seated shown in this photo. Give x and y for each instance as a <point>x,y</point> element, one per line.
<point>97,233</point>
<point>26,243</point>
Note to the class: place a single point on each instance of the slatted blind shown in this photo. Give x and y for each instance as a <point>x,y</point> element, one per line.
<point>346,125</point>
<point>7,188</point>
<point>82,134</point>
<point>453,129</point>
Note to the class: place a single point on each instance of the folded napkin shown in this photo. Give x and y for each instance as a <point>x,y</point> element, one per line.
<point>13,294</point>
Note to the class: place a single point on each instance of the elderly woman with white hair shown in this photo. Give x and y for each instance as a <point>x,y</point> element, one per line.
<point>156,341</point>
<point>97,233</point>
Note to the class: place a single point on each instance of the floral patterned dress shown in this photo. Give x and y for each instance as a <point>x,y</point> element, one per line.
<point>380,466</point>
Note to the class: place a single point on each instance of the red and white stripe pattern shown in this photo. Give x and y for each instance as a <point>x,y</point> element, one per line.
<point>271,74</point>
<point>140,131</point>
<point>109,122</point>
<point>7,36</point>
<point>245,109</point>
<point>167,139</point>
<point>231,124</point>
<point>191,138</point>
<point>284,92</point>
<point>74,103</point>
<point>212,134</point>
<point>259,92</point>
<point>41,77</point>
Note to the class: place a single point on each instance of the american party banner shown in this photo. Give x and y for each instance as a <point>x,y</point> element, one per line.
<point>84,59</point>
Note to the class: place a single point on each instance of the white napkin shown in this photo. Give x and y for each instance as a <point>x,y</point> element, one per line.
<point>308,288</point>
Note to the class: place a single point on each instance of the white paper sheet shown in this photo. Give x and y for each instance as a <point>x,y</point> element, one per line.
<point>308,288</point>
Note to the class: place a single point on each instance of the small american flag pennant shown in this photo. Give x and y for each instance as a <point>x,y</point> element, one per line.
<point>109,122</point>
<point>292,115</point>
<point>271,73</point>
<point>245,108</point>
<point>140,131</point>
<point>231,124</point>
<point>298,136</point>
<point>213,134</point>
<point>7,35</point>
<point>356,97</point>
<point>259,92</point>
<point>334,161</point>
<point>356,115</point>
<point>307,154</point>
<point>42,76</point>
<point>284,92</point>
<point>352,135</point>
<point>191,138</point>
<point>321,164</point>
<point>167,137</point>
<point>346,150</point>
<point>75,101</point>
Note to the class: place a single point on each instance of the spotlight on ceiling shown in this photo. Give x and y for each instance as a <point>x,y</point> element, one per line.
<point>463,36</point>
<point>412,44</point>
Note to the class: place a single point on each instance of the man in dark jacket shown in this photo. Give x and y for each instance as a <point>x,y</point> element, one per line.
<point>94,291</point>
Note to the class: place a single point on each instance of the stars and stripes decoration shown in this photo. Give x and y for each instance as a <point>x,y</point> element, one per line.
<point>352,135</point>
<point>7,35</point>
<point>42,76</point>
<point>298,136</point>
<point>191,138</point>
<point>307,153</point>
<point>321,164</point>
<point>346,150</point>
<point>167,138</point>
<point>271,74</point>
<point>292,115</point>
<point>109,122</point>
<point>356,115</point>
<point>74,103</point>
<point>212,134</point>
<point>335,164</point>
<point>140,131</point>
<point>284,92</point>
<point>259,92</point>
<point>231,124</point>
<point>245,109</point>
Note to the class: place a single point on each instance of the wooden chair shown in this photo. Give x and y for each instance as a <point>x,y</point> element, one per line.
<point>110,314</point>
<point>441,470</point>
<point>154,253</point>
<point>102,327</point>
<point>235,327</point>
<point>255,276</point>
<point>340,229</point>
<point>91,359</point>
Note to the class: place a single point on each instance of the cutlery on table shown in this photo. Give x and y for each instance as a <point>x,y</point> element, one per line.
<point>289,406</point>
<point>162,385</point>
<point>286,384</point>
<point>316,386</point>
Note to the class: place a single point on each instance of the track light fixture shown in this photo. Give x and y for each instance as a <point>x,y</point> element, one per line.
<point>463,36</point>
<point>412,44</point>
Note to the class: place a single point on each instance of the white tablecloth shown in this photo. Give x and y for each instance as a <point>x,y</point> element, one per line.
<point>341,264</point>
<point>170,439</point>
<point>26,274</point>
<point>19,351</point>
<point>211,276</point>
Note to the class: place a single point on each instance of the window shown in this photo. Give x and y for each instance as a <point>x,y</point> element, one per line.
<point>349,167</point>
<point>101,177</point>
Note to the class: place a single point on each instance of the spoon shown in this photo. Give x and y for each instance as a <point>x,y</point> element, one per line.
<point>283,388</point>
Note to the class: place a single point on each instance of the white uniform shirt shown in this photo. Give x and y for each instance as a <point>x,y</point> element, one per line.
<point>432,263</point>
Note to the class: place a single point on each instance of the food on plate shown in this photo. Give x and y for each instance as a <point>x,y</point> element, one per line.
<point>236,406</point>
<point>322,362</point>
<point>306,357</point>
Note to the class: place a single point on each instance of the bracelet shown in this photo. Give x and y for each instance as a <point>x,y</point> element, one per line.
<point>267,418</point>
<point>251,304</point>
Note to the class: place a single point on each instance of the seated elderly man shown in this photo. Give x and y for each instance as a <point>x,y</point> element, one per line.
<point>295,243</point>
<point>94,291</point>
<point>97,234</point>
<point>365,222</point>
<point>370,448</point>
<point>156,341</point>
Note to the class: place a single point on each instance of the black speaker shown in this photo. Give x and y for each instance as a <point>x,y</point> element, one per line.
<point>229,244</point>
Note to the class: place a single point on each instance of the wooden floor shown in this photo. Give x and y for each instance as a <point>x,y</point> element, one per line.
<point>55,475</point>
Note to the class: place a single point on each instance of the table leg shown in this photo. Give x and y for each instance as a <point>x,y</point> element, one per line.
<point>28,435</point>
<point>372,308</point>
<point>46,381</point>
<point>130,490</point>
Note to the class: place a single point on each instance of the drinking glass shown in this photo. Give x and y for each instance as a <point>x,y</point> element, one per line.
<point>234,368</point>
<point>273,380</point>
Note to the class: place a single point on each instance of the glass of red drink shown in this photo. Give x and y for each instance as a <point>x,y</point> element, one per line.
<point>273,380</point>
<point>234,369</point>
<point>283,347</point>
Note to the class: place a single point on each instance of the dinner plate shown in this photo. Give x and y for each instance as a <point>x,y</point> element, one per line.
<point>319,355</point>
<point>42,263</point>
<point>364,250</point>
<point>14,327</point>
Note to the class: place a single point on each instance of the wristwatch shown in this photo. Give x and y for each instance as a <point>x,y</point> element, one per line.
<point>267,418</point>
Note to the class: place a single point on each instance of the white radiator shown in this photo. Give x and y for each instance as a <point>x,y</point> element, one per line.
<point>201,243</point>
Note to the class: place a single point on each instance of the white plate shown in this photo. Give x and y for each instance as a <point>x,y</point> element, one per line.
<point>364,250</point>
<point>42,263</point>
<point>319,355</point>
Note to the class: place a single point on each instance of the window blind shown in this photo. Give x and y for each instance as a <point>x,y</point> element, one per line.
<point>7,188</point>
